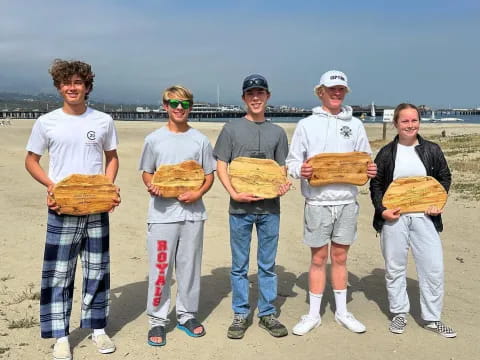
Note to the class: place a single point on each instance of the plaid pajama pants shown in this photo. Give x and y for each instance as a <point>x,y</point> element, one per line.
<point>67,237</point>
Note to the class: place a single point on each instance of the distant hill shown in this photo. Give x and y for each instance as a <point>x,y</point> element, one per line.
<point>47,102</point>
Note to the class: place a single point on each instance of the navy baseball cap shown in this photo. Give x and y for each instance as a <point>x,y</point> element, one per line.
<point>254,81</point>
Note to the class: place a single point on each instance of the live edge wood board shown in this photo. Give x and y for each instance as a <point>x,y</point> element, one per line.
<point>80,194</point>
<point>414,194</point>
<point>260,177</point>
<point>337,168</point>
<point>174,180</point>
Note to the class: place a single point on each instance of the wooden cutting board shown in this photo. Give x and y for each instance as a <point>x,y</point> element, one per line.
<point>337,168</point>
<point>174,180</point>
<point>260,177</point>
<point>80,194</point>
<point>414,194</point>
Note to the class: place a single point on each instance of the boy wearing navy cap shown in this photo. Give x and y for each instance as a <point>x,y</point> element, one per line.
<point>253,136</point>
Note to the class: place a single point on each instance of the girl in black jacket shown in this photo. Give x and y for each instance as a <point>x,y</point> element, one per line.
<point>411,155</point>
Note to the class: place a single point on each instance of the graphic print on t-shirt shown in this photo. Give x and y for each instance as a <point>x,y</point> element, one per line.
<point>346,132</point>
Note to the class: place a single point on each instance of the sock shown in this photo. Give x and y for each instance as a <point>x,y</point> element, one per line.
<point>341,301</point>
<point>62,339</point>
<point>315,301</point>
<point>97,332</point>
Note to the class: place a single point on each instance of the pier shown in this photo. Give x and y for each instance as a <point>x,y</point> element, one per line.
<point>206,115</point>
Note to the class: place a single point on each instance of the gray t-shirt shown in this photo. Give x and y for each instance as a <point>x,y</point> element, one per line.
<point>163,147</point>
<point>242,137</point>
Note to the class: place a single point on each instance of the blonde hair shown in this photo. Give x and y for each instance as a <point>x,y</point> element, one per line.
<point>177,91</point>
<point>318,88</point>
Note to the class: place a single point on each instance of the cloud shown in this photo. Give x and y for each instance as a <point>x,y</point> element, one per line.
<point>390,51</point>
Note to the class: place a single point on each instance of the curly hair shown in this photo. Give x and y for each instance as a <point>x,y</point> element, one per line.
<point>63,70</point>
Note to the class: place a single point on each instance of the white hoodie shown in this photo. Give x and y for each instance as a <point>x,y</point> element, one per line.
<point>323,132</point>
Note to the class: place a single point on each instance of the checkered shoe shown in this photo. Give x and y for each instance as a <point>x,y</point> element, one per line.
<point>441,328</point>
<point>398,324</point>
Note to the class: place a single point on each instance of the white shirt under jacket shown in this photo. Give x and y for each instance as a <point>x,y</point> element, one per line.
<point>323,132</point>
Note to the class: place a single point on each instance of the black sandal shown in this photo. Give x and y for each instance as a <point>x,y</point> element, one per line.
<point>156,332</point>
<point>190,325</point>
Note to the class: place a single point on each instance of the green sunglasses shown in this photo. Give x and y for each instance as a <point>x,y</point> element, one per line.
<point>174,103</point>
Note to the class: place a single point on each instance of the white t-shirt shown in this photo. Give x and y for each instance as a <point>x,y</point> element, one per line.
<point>163,147</point>
<point>75,143</point>
<point>408,163</point>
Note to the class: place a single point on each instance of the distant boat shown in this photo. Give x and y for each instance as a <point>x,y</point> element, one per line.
<point>449,119</point>
<point>430,119</point>
<point>433,119</point>
<point>372,117</point>
<point>372,111</point>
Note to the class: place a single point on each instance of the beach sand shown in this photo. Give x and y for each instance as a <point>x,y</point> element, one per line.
<point>23,215</point>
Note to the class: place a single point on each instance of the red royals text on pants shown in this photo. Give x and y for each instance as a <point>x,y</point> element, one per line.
<point>161,266</point>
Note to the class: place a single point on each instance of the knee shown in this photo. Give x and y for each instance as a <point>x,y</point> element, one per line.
<point>339,258</point>
<point>319,260</point>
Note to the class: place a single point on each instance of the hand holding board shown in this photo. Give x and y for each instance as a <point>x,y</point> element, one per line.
<point>338,168</point>
<point>415,194</point>
<point>174,180</point>
<point>260,177</point>
<point>80,194</point>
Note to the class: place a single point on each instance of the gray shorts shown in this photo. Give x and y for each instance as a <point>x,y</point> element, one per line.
<point>323,223</point>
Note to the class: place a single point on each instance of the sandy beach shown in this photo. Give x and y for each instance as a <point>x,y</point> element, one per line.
<point>23,214</point>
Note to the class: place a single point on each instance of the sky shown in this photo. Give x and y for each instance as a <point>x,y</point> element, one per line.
<point>423,51</point>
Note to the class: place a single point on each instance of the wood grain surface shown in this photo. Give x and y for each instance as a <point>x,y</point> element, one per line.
<point>414,194</point>
<point>337,168</point>
<point>80,194</point>
<point>174,180</point>
<point>261,177</point>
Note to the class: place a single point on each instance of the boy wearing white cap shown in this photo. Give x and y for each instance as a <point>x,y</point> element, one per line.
<point>331,211</point>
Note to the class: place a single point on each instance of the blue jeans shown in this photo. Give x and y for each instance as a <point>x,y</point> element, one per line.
<point>241,226</point>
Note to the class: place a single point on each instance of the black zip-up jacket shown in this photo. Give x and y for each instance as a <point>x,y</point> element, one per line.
<point>432,158</point>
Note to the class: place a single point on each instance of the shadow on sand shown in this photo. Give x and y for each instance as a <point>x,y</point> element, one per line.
<point>373,287</point>
<point>128,302</point>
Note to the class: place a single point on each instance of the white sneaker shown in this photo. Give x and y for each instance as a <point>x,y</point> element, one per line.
<point>103,343</point>
<point>61,351</point>
<point>349,321</point>
<point>306,324</point>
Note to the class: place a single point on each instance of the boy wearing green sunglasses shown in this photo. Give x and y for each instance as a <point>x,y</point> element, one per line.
<point>175,225</point>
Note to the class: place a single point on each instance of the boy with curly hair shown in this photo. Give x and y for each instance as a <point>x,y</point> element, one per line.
<point>76,137</point>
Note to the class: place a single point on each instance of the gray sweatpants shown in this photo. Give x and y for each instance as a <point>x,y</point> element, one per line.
<point>174,245</point>
<point>419,234</point>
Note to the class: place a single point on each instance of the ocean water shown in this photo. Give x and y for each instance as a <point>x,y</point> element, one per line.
<point>467,119</point>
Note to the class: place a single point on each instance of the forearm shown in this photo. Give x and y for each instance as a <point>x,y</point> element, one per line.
<point>207,184</point>
<point>444,175</point>
<point>297,154</point>
<point>111,165</point>
<point>32,164</point>
<point>294,164</point>
<point>224,178</point>
<point>147,178</point>
<point>377,188</point>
